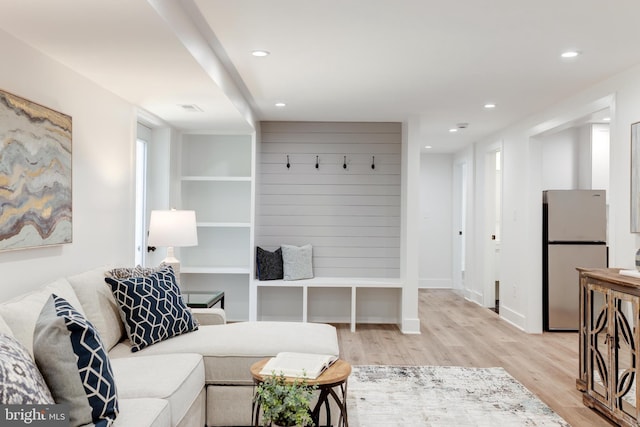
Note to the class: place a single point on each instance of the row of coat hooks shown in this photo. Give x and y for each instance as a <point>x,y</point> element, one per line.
<point>344,164</point>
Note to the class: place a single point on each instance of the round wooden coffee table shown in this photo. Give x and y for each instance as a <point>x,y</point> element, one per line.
<point>335,377</point>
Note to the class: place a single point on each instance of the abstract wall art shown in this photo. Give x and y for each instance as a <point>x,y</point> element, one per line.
<point>35,175</point>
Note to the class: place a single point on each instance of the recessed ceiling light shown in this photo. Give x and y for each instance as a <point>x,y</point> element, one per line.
<point>489,105</point>
<point>570,54</point>
<point>260,53</point>
<point>428,147</point>
<point>606,119</point>
<point>280,104</point>
<point>453,130</point>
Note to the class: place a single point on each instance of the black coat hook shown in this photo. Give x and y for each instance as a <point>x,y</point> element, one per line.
<point>317,162</point>
<point>288,163</point>
<point>344,165</point>
<point>373,162</point>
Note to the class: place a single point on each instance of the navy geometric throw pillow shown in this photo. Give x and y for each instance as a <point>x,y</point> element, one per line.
<point>73,362</point>
<point>152,308</point>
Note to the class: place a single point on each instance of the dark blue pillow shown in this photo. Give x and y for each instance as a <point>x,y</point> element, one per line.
<point>152,308</point>
<point>75,365</point>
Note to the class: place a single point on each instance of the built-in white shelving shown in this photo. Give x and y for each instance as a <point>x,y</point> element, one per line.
<point>217,181</point>
<point>345,298</point>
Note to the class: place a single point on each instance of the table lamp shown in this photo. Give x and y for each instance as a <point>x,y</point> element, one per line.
<point>173,228</point>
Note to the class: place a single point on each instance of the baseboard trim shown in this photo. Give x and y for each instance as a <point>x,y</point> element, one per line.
<point>410,326</point>
<point>435,284</point>
<point>473,296</point>
<point>516,319</point>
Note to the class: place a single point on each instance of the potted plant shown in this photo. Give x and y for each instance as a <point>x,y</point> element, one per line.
<point>285,404</point>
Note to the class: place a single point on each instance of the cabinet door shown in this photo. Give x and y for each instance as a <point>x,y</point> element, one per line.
<point>599,356</point>
<point>582,334</point>
<point>625,335</point>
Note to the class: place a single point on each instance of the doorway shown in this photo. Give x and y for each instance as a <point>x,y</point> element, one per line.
<point>493,227</point>
<point>143,137</point>
<point>459,225</point>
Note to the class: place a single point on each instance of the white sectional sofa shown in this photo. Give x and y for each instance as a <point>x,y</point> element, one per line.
<point>194,379</point>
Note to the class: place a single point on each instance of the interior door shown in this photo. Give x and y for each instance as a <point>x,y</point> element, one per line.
<point>492,227</point>
<point>459,221</point>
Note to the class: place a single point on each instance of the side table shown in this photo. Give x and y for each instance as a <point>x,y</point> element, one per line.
<point>203,299</point>
<point>335,377</point>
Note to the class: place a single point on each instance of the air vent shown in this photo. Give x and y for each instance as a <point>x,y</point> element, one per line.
<point>191,108</point>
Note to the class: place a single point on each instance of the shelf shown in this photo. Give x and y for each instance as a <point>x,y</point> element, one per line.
<point>217,178</point>
<point>350,285</point>
<point>333,282</point>
<point>214,270</point>
<point>218,201</point>
<point>211,155</point>
<point>223,224</point>
<point>216,181</point>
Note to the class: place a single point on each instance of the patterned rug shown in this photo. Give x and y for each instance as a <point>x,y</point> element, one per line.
<point>438,396</point>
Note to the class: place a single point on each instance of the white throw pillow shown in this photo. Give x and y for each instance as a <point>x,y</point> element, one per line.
<point>296,262</point>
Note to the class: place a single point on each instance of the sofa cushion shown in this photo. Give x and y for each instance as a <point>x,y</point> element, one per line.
<point>297,262</point>
<point>100,307</point>
<point>21,313</point>
<point>152,308</point>
<point>229,350</point>
<point>269,264</point>
<point>21,382</point>
<point>177,378</point>
<point>4,328</point>
<point>72,360</point>
<point>144,412</point>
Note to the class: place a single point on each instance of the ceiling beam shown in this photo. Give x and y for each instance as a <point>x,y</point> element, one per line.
<point>201,47</point>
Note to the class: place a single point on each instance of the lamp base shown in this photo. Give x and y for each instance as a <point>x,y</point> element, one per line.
<point>174,263</point>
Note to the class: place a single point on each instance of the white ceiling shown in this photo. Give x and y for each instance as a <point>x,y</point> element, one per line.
<point>336,60</point>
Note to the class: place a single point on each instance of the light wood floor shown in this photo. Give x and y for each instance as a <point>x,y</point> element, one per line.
<point>456,332</point>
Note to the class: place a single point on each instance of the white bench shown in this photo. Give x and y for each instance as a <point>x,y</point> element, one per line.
<point>332,282</point>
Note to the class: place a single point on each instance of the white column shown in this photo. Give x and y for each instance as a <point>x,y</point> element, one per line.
<point>410,243</point>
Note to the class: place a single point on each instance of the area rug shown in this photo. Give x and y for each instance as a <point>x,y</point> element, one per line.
<point>439,396</point>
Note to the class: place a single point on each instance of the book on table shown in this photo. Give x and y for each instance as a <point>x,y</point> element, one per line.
<point>298,365</point>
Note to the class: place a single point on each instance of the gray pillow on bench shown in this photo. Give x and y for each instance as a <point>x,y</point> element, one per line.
<point>297,262</point>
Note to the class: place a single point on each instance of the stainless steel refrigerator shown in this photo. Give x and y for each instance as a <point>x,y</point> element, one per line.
<point>574,235</point>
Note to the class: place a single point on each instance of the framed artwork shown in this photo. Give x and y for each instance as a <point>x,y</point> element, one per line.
<point>635,177</point>
<point>35,175</point>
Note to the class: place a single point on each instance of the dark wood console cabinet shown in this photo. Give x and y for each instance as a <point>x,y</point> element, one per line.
<point>608,339</point>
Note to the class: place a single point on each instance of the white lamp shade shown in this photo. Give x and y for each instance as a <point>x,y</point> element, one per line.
<point>173,228</point>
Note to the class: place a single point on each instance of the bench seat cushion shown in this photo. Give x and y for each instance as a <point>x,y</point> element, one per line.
<point>177,378</point>
<point>230,350</point>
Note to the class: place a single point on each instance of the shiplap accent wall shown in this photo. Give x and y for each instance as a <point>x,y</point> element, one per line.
<point>350,215</point>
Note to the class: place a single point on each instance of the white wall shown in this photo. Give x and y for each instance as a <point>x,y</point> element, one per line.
<point>560,166</point>
<point>521,276</point>
<point>600,171</point>
<point>436,220</point>
<point>103,149</point>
